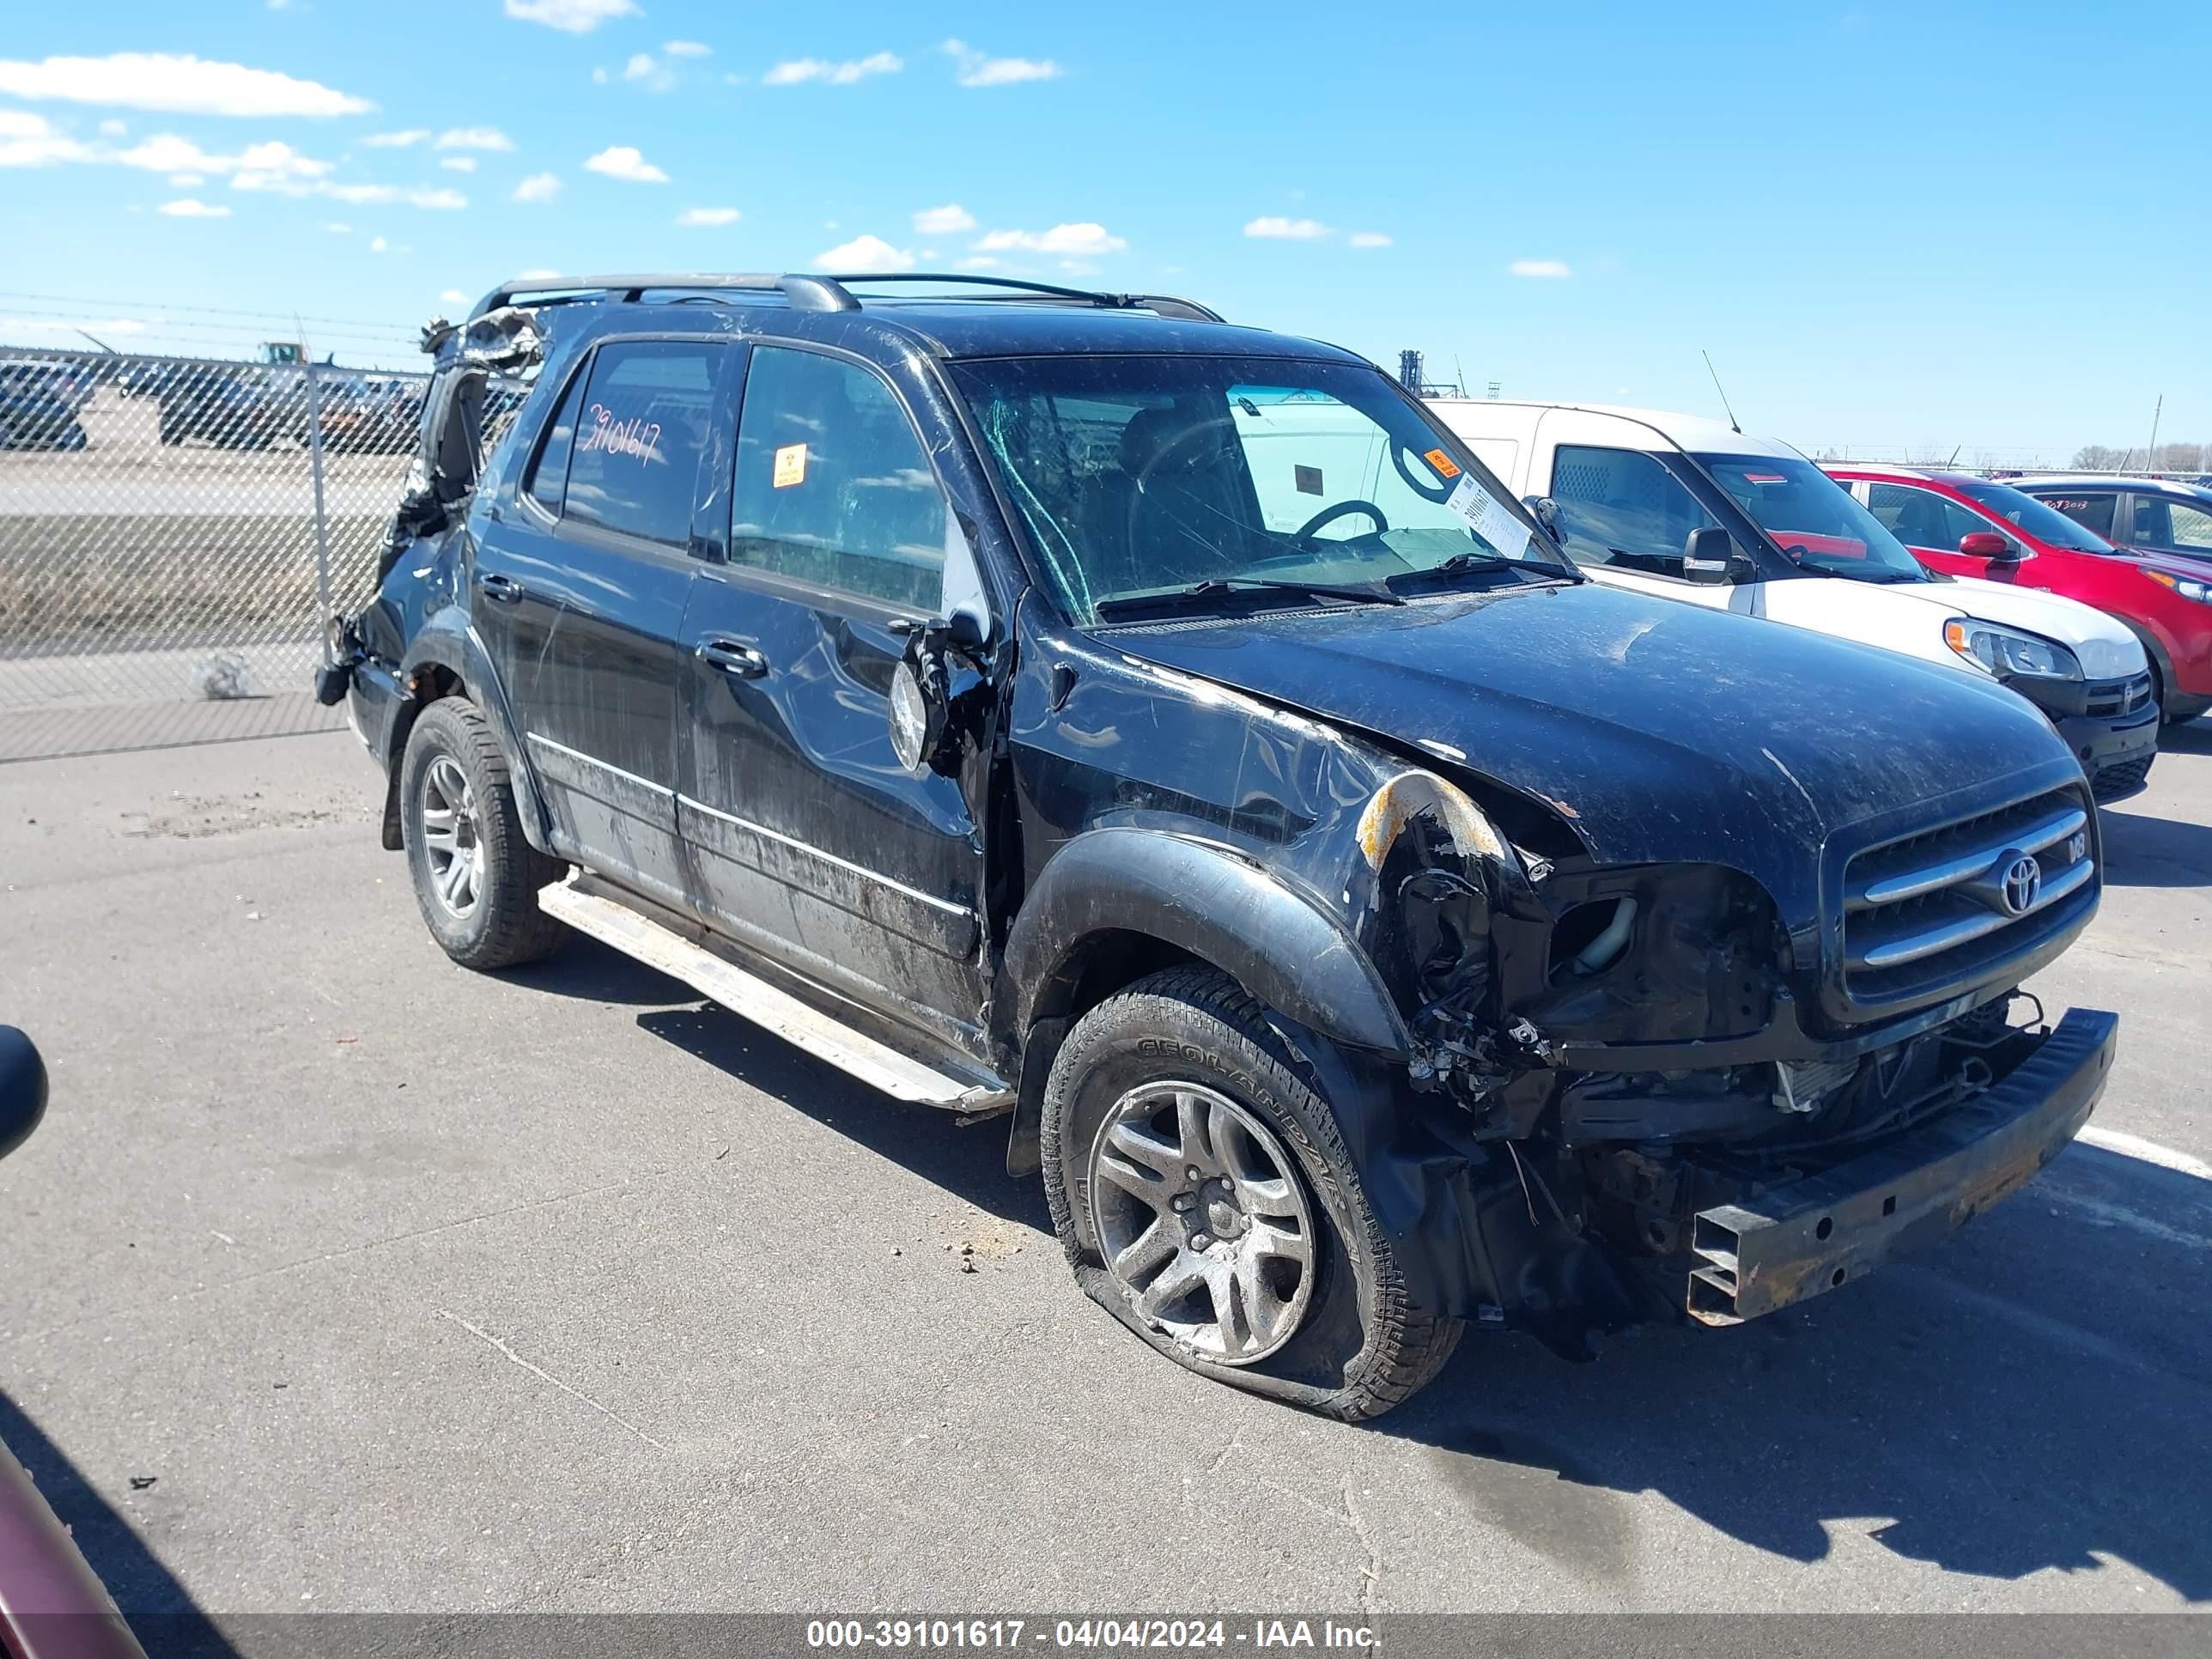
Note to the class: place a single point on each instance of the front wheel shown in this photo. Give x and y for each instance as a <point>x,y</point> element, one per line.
<point>476,875</point>
<point>1205,1198</point>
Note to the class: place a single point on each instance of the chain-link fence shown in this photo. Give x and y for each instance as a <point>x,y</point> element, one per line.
<point>167,527</point>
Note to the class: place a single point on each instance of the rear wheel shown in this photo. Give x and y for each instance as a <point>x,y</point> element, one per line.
<point>1205,1197</point>
<point>476,875</point>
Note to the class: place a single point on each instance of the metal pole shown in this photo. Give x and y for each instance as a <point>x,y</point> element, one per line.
<point>2150,455</point>
<point>322,518</point>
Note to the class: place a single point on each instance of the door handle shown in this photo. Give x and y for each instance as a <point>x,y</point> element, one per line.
<point>505,589</point>
<point>737,660</point>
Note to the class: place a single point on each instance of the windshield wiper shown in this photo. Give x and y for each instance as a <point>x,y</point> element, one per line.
<point>1468,564</point>
<point>1214,587</point>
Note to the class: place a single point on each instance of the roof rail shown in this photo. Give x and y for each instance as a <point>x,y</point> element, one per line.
<point>1166,305</point>
<point>804,291</point>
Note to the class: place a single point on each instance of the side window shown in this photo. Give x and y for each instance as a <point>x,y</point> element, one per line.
<point>1921,518</point>
<point>1621,508</point>
<point>549,473</point>
<point>2092,510</point>
<point>635,460</point>
<point>2192,528</point>
<point>833,486</point>
<point>2152,523</point>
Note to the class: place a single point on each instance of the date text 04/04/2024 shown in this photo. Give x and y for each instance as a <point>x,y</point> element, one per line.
<point>955,1634</point>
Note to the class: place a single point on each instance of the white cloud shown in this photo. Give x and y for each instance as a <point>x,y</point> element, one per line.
<point>572,17</point>
<point>624,161</point>
<point>947,221</point>
<point>378,244</point>
<point>186,180</point>
<point>453,296</point>
<point>167,152</point>
<point>976,68</point>
<point>646,70</point>
<point>459,163</point>
<point>473,138</point>
<point>181,85</point>
<point>801,70</point>
<point>275,160</point>
<point>1075,241</point>
<point>1369,238</point>
<point>404,140</point>
<point>188,208</point>
<point>336,229</point>
<point>686,49</point>
<point>1539,268</point>
<point>708,217</point>
<point>450,201</point>
<point>864,254</point>
<point>31,140</point>
<point>1275,227</point>
<point>539,187</point>
<point>112,128</point>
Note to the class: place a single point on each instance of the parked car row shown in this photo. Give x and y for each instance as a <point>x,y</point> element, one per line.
<point>1695,510</point>
<point>1174,739</point>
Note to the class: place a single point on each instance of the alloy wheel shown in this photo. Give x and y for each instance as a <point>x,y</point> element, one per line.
<point>1201,1218</point>
<point>453,835</point>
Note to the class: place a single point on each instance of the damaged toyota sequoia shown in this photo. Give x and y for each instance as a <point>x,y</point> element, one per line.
<point>1169,737</point>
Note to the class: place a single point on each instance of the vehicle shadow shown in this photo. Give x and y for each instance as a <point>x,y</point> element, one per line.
<point>2028,1395</point>
<point>970,1164</point>
<point>591,971</point>
<point>2147,851</point>
<point>2195,738</point>
<point>162,1614</point>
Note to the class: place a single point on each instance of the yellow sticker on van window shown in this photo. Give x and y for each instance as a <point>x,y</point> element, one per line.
<point>1446,467</point>
<point>790,466</point>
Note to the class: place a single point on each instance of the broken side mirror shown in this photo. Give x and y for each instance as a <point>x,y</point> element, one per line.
<point>22,1089</point>
<point>921,699</point>
<point>1710,558</point>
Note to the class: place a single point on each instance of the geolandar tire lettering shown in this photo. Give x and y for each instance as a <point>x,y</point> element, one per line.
<point>476,875</point>
<point>1204,1197</point>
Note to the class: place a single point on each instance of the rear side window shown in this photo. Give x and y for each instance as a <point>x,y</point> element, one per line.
<point>833,487</point>
<point>2152,523</point>
<point>1921,518</point>
<point>2091,509</point>
<point>1621,507</point>
<point>549,473</point>
<point>634,465</point>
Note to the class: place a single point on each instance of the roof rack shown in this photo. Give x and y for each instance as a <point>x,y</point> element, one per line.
<point>805,291</point>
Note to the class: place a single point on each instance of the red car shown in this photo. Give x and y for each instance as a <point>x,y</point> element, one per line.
<point>1968,526</point>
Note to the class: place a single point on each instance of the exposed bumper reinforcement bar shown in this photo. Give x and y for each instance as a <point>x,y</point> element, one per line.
<point>1800,1240</point>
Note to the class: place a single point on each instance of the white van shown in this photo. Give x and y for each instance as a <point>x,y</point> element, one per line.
<point>1695,510</point>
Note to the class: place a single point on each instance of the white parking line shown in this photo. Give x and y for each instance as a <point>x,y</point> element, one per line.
<point>2149,1151</point>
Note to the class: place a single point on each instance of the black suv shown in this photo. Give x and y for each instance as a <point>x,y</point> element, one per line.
<point>1167,735</point>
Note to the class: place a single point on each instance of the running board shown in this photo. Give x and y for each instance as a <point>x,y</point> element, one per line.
<point>798,1022</point>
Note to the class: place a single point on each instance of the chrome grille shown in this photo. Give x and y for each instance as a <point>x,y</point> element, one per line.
<point>1951,901</point>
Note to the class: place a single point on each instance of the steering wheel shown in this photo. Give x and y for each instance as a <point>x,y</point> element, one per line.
<point>1330,515</point>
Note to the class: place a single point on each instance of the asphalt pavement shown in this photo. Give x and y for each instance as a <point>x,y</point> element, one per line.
<point>339,1278</point>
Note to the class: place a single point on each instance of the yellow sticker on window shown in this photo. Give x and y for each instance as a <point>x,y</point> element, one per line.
<point>790,466</point>
<point>1446,467</point>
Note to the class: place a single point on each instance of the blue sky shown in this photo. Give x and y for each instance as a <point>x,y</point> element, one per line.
<point>1980,224</point>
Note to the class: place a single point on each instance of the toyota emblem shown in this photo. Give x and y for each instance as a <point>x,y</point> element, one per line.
<point>2022,885</point>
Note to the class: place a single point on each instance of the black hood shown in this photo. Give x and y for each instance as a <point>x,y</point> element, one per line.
<point>1661,731</point>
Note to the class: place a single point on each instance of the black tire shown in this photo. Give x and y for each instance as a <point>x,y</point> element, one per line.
<point>502,926</point>
<point>1366,1342</point>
